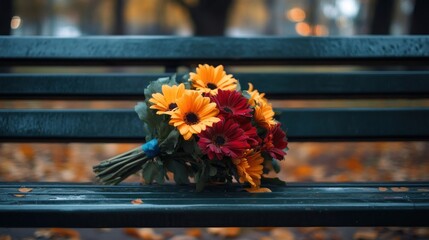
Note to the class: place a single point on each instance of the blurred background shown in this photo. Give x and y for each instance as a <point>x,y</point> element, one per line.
<point>71,18</point>
<point>362,161</point>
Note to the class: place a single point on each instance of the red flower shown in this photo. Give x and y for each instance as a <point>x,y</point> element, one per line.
<point>275,142</point>
<point>253,139</point>
<point>232,104</point>
<point>223,139</point>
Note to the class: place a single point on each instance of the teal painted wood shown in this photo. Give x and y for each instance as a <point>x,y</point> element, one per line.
<point>312,204</point>
<point>174,51</point>
<point>301,125</point>
<point>400,84</point>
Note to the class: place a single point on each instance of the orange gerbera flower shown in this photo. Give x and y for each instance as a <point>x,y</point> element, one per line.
<point>249,168</point>
<point>166,102</point>
<point>194,113</point>
<point>255,97</point>
<point>209,79</point>
<point>264,115</point>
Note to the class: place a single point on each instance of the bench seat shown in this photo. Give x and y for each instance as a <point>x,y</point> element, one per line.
<point>298,204</point>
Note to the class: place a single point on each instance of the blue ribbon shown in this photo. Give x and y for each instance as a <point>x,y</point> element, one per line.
<point>151,148</point>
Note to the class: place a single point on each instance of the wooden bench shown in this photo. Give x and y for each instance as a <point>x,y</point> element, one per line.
<point>297,204</point>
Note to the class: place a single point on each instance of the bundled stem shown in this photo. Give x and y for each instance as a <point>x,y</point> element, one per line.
<point>114,170</point>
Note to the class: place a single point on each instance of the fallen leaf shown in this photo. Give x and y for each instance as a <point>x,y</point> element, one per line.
<point>55,233</point>
<point>225,232</point>
<point>282,234</point>
<point>194,232</point>
<point>25,190</point>
<point>143,233</point>
<point>19,195</point>
<point>137,201</point>
<point>258,190</point>
<point>5,237</point>
<point>399,189</point>
<point>383,189</point>
<point>365,235</point>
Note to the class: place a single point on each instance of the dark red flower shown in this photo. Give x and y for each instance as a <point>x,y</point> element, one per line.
<point>223,139</point>
<point>232,104</point>
<point>253,139</point>
<point>275,142</point>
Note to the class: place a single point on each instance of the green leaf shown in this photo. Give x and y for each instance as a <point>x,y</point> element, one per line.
<point>191,147</point>
<point>245,94</point>
<point>212,171</point>
<point>153,170</point>
<point>276,165</point>
<point>149,118</point>
<point>156,86</point>
<point>202,176</point>
<point>169,144</point>
<point>180,171</point>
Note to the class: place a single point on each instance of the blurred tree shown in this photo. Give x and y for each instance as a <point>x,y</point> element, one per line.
<point>6,13</point>
<point>420,20</point>
<point>119,10</point>
<point>382,17</point>
<point>209,17</point>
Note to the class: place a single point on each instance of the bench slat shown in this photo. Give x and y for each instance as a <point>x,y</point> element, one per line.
<point>304,125</point>
<point>275,85</point>
<point>312,204</point>
<point>366,50</point>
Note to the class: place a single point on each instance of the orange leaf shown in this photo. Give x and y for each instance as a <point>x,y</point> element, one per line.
<point>283,234</point>
<point>354,164</point>
<point>143,233</point>
<point>258,190</point>
<point>25,190</point>
<point>5,237</point>
<point>303,171</point>
<point>137,201</point>
<point>399,189</point>
<point>19,195</point>
<point>225,232</point>
<point>382,189</point>
<point>194,232</point>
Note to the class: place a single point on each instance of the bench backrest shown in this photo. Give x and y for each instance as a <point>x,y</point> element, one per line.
<point>321,124</point>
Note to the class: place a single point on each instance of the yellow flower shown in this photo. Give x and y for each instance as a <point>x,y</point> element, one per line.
<point>209,79</point>
<point>264,115</point>
<point>165,103</point>
<point>249,168</point>
<point>255,97</point>
<point>194,113</point>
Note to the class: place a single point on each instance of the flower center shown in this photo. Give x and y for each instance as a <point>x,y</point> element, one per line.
<point>212,86</point>
<point>191,118</point>
<point>227,109</point>
<point>172,106</point>
<point>219,140</point>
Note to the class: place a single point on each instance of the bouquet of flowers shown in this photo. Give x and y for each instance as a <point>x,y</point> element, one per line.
<point>205,128</point>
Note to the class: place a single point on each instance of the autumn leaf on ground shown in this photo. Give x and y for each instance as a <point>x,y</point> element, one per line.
<point>143,233</point>
<point>225,232</point>
<point>56,233</point>
<point>137,201</point>
<point>5,237</point>
<point>399,189</point>
<point>369,234</point>
<point>282,234</point>
<point>194,232</point>
<point>25,190</point>
<point>258,190</point>
<point>19,195</point>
